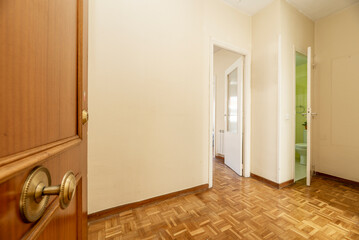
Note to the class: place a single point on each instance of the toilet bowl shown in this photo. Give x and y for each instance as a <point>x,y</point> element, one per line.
<point>301,149</point>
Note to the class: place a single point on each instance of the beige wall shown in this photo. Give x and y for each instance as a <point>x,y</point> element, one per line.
<point>297,31</point>
<point>275,31</point>
<point>222,60</point>
<point>336,144</point>
<point>149,94</point>
<point>265,31</point>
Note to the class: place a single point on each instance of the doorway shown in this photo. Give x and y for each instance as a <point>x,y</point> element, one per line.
<point>302,91</point>
<point>230,108</point>
<point>300,116</point>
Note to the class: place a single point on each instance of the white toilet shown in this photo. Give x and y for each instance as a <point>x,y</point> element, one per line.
<point>301,149</point>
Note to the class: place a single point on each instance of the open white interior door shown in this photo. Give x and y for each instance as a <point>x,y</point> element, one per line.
<point>233,116</point>
<point>309,115</point>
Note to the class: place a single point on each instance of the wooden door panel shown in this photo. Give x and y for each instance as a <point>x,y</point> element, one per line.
<point>67,221</point>
<point>38,72</point>
<point>43,90</point>
<point>62,69</point>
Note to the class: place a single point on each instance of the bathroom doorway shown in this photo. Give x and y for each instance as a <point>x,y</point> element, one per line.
<point>301,123</point>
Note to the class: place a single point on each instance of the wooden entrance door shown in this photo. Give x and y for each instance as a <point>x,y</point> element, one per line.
<point>43,92</point>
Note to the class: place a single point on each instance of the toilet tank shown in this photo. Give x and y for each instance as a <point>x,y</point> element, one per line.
<point>305,136</point>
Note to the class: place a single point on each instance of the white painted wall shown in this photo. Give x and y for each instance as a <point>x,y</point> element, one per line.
<point>149,94</point>
<point>276,30</point>
<point>336,144</point>
<point>265,32</point>
<point>297,31</point>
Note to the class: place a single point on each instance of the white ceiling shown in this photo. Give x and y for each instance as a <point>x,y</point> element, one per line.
<point>249,7</point>
<point>314,9</point>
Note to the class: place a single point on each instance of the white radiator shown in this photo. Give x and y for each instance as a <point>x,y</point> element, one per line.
<point>219,142</point>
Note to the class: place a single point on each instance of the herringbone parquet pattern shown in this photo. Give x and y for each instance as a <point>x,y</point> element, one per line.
<point>243,208</point>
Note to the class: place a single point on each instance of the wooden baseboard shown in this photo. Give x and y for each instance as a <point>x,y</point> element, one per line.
<point>338,179</point>
<point>264,180</point>
<point>220,157</point>
<point>115,210</point>
<point>286,184</point>
<point>271,183</point>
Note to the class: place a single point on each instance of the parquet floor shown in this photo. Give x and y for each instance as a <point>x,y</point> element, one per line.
<point>243,208</point>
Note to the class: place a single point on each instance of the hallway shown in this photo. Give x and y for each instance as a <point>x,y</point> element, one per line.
<point>243,208</point>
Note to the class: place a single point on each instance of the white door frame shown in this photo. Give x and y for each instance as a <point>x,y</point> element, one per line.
<point>246,106</point>
<point>214,89</point>
<point>309,114</point>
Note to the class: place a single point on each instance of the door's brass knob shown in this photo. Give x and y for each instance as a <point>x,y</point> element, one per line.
<point>37,190</point>
<point>85,116</point>
<point>67,189</point>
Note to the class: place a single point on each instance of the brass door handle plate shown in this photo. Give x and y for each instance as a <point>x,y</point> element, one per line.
<point>85,116</point>
<point>37,190</point>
